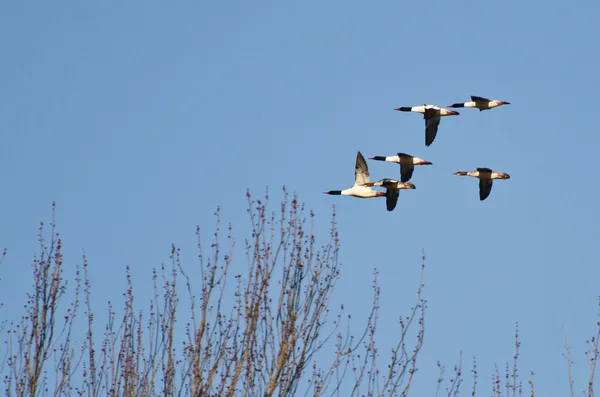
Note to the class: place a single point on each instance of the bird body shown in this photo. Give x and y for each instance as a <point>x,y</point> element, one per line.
<point>361,176</point>
<point>357,191</point>
<point>406,161</point>
<point>480,103</point>
<point>432,115</point>
<point>486,178</point>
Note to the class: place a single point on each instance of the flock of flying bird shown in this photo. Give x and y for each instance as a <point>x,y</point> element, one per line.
<point>432,114</point>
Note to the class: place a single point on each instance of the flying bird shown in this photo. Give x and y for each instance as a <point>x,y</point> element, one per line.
<point>486,179</point>
<point>432,115</point>
<point>480,103</point>
<point>392,190</point>
<point>361,177</point>
<point>406,161</point>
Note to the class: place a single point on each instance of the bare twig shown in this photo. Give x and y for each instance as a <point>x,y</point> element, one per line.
<point>567,355</point>
<point>592,355</point>
<point>532,385</point>
<point>474,372</point>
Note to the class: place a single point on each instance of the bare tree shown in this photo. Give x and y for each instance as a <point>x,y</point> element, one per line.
<point>43,332</point>
<point>591,355</point>
<point>255,329</point>
<point>513,385</point>
<point>260,325</point>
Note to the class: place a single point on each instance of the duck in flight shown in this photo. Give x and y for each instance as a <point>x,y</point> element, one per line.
<point>486,179</point>
<point>361,177</point>
<point>392,190</point>
<point>406,161</point>
<point>432,115</point>
<point>480,103</point>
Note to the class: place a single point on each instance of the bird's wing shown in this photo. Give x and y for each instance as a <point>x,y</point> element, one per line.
<point>385,182</point>
<point>432,121</point>
<point>406,171</point>
<point>479,99</point>
<point>391,197</point>
<point>484,169</point>
<point>361,171</point>
<point>485,188</point>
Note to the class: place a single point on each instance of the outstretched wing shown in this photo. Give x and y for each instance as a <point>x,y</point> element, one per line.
<point>361,171</point>
<point>479,99</point>
<point>391,198</point>
<point>406,171</point>
<point>485,188</point>
<point>432,121</point>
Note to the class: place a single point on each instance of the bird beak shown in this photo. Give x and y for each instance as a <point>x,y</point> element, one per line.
<point>425,162</point>
<point>506,176</point>
<point>455,173</point>
<point>505,103</point>
<point>453,113</point>
<point>397,109</point>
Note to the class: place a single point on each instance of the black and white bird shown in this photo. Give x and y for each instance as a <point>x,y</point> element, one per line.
<point>361,177</point>
<point>432,115</point>
<point>486,179</point>
<point>392,190</point>
<point>480,103</point>
<point>406,161</point>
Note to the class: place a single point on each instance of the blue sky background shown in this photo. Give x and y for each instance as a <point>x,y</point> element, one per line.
<point>138,119</point>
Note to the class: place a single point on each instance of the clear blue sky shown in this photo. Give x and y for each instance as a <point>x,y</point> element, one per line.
<point>140,118</point>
